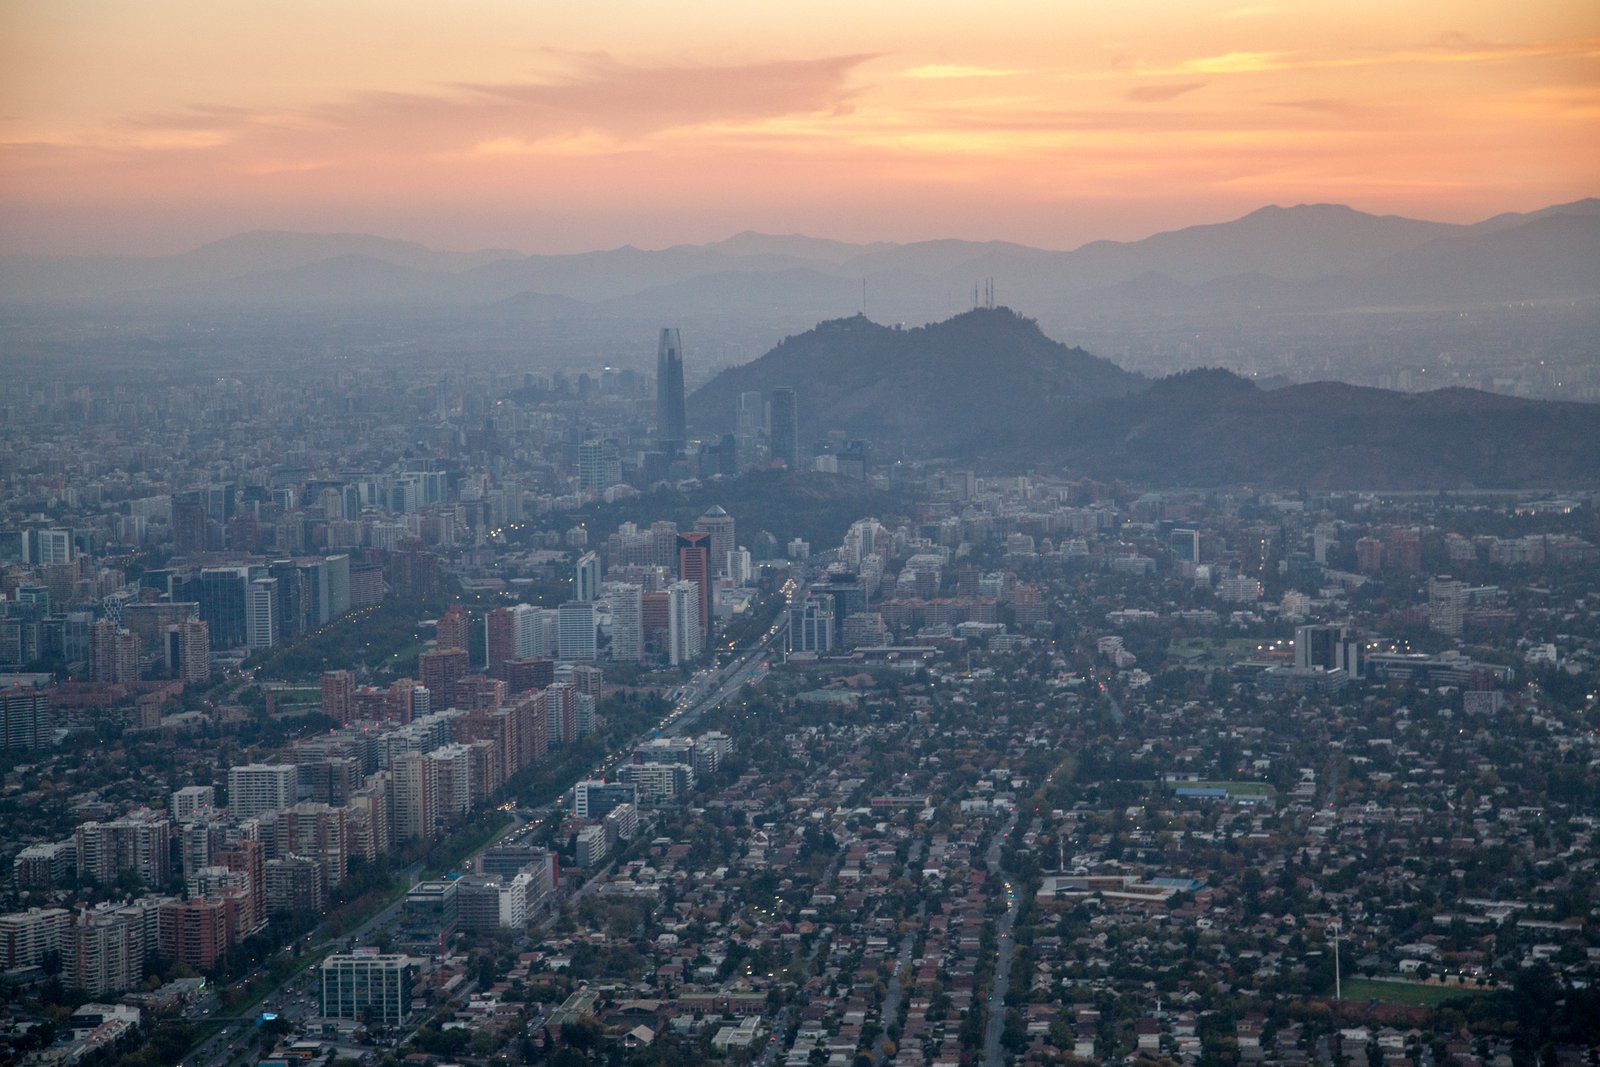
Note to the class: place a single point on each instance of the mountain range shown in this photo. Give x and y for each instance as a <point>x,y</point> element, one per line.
<point>1308,256</point>
<point>988,387</point>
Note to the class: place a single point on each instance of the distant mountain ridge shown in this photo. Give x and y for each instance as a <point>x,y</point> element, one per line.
<point>1305,255</point>
<point>988,387</point>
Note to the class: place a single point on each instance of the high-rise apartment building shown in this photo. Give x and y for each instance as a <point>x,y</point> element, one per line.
<point>452,628</point>
<point>25,720</point>
<point>415,789</point>
<point>113,653</point>
<point>440,668</point>
<point>139,843</point>
<point>104,950</point>
<point>194,652</point>
<point>192,800</point>
<point>627,621</point>
<point>499,639</point>
<point>685,636</point>
<point>599,464</point>
<point>671,417</point>
<point>257,788</point>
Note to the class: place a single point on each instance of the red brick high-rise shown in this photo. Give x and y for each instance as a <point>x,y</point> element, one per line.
<point>452,628</point>
<point>694,565</point>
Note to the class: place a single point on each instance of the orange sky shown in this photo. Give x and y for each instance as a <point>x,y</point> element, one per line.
<point>155,125</point>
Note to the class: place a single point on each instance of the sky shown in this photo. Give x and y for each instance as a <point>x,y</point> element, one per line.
<point>151,126</point>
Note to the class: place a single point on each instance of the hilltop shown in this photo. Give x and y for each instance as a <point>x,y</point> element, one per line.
<point>948,386</point>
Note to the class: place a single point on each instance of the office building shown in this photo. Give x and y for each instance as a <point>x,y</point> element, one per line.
<point>586,577</point>
<point>368,987</point>
<point>451,629</point>
<point>430,915</point>
<point>718,525</point>
<point>1328,648</point>
<point>577,640</point>
<point>671,416</point>
<point>811,625</point>
<point>1185,546</point>
<point>785,434</point>
<point>594,799</point>
<point>694,565</point>
<point>261,614</point>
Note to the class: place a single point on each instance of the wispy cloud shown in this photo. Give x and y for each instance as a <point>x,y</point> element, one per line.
<point>951,70</point>
<point>1451,48</point>
<point>1159,94</point>
<point>596,101</point>
<point>1230,63</point>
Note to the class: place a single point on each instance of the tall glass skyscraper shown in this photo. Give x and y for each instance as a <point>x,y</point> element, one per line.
<point>785,427</point>
<point>671,422</point>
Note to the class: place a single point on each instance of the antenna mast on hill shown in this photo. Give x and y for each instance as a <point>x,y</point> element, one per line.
<point>988,297</point>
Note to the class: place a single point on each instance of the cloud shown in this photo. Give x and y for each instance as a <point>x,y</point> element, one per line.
<point>596,100</point>
<point>1232,63</point>
<point>1159,94</point>
<point>1450,48</point>
<point>949,70</point>
<point>1344,109</point>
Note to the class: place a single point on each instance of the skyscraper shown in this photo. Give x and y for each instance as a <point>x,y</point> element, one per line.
<point>577,640</point>
<point>785,428</point>
<point>261,613</point>
<point>719,524</point>
<point>671,420</point>
<point>599,464</point>
<point>694,565</point>
<point>586,577</point>
<point>685,637</point>
<point>627,621</point>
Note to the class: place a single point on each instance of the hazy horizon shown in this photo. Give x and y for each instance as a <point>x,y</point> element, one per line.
<point>714,239</point>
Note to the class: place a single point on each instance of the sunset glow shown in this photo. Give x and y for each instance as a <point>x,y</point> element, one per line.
<point>154,126</point>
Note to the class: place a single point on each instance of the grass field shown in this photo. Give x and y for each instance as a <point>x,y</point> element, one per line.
<point>1238,789</point>
<point>1427,996</point>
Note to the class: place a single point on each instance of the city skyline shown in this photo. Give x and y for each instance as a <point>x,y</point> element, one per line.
<point>155,128</point>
